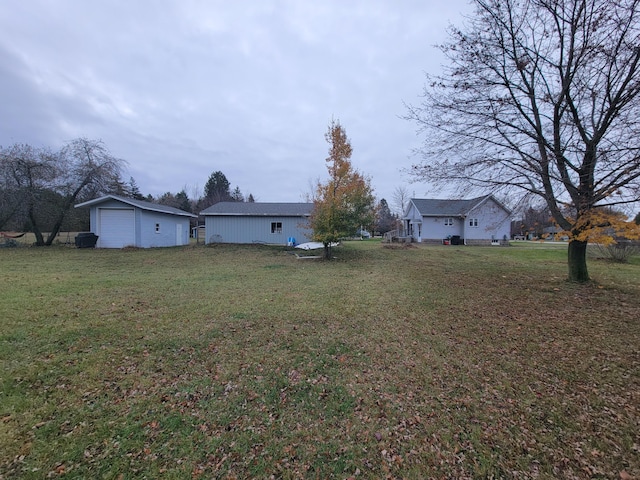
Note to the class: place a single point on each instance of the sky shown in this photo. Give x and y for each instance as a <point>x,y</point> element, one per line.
<point>183,88</point>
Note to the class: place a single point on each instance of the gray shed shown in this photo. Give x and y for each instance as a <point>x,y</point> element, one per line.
<point>122,222</point>
<point>257,222</point>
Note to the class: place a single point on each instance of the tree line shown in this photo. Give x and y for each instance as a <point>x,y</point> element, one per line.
<point>535,221</point>
<point>216,189</point>
<point>40,187</point>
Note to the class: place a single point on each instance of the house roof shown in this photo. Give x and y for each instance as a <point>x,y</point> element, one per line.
<point>259,209</point>
<point>431,207</point>
<point>141,204</point>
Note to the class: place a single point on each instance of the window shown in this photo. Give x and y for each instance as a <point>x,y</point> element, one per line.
<point>473,222</point>
<point>276,227</point>
<point>157,228</point>
<point>448,222</point>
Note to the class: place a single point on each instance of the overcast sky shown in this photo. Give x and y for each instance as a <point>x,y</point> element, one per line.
<point>182,88</point>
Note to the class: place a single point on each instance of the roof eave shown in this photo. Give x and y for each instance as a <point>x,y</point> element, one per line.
<point>124,200</point>
<point>218,214</point>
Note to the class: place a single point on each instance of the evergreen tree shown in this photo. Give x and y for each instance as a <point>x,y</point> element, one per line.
<point>217,188</point>
<point>236,195</point>
<point>385,220</point>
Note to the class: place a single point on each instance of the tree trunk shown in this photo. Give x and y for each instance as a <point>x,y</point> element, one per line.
<point>578,262</point>
<point>34,227</point>
<point>327,250</point>
<point>56,226</point>
<point>53,234</point>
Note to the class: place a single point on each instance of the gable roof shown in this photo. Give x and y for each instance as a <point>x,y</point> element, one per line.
<point>431,207</point>
<point>141,204</point>
<point>262,209</point>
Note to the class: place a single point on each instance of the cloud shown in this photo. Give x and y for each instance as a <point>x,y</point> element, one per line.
<point>184,88</point>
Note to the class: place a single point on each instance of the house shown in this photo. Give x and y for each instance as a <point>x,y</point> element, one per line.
<point>554,234</point>
<point>122,222</point>
<point>478,221</point>
<point>257,222</point>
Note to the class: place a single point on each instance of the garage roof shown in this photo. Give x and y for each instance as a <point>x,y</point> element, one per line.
<point>253,209</point>
<point>141,204</point>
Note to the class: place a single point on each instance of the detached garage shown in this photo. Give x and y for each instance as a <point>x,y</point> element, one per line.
<point>253,222</point>
<point>123,222</point>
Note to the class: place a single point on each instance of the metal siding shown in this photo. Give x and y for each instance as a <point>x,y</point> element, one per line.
<point>93,220</point>
<point>247,229</point>
<point>112,233</point>
<point>167,235</point>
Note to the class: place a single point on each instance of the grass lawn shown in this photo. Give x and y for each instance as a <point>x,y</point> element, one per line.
<point>243,362</point>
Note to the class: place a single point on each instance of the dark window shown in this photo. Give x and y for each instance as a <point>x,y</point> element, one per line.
<point>276,227</point>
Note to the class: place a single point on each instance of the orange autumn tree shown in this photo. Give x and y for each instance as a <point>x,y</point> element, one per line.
<point>615,237</point>
<point>607,227</point>
<point>346,200</point>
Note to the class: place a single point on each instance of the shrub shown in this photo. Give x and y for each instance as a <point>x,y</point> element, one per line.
<point>618,252</point>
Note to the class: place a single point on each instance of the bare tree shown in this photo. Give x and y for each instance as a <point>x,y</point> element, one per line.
<point>400,198</point>
<point>27,173</point>
<point>540,96</point>
<point>46,184</point>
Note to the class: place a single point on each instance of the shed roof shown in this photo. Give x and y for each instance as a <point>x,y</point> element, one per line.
<point>141,204</point>
<point>261,209</point>
<point>431,207</point>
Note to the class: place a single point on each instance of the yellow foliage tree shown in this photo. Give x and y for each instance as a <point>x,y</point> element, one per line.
<point>345,201</point>
<point>604,227</point>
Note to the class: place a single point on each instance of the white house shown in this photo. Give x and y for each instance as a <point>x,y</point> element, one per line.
<point>122,222</point>
<point>478,221</point>
<point>257,222</point>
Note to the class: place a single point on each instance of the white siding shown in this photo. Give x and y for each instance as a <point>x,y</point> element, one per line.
<point>414,223</point>
<point>490,222</point>
<point>165,235</point>
<point>494,223</point>
<point>119,225</point>
<point>434,228</point>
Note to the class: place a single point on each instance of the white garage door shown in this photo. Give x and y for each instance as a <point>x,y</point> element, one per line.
<point>117,228</point>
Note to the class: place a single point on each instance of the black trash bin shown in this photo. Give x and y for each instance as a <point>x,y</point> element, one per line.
<point>86,240</point>
<point>455,240</point>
